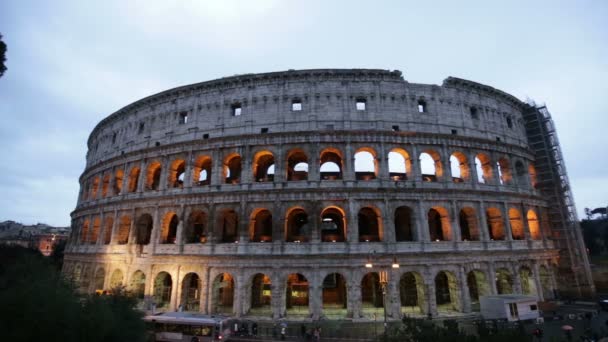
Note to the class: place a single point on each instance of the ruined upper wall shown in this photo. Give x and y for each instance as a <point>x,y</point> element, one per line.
<point>328,98</point>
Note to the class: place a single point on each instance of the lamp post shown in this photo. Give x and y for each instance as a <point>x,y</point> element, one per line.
<point>383,283</point>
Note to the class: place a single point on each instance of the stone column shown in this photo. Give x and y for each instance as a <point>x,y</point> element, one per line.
<point>447,166</point>
<point>393,305</point>
<point>315,305</point>
<point>465,295</point>
<point>388,229</point>
<point>132,229</point>
<point>352,222</point>
<point>141,182</point>
<point>537,282</point>
<point>415,174</point>
<point>314,221</point>
<point>507,223</point>
<point>165,165</point>
<point>217,166</point>
<point>188,170</point>
<point>492,280</point>
<point>204,290</point>
<point>483,222</point>
<point>524,219</point>
<point>125,180</point>
<point>155,230</point>
<point>348,172</point>
<point>174,290</point>
<point>421,224</point>
<point>353,302</point>
<point>246,166</point>
<point>314,163</point>
<point>383,169</point>
<point>454,222</point>
<point>280,172</point>
<point>431,298</point>
<point>115,226</point>
<point>179,236</point>
<point>516,279</point>
<point>238,294</point>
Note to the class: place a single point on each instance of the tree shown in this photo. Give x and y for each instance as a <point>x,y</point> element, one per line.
<point>2,56</point>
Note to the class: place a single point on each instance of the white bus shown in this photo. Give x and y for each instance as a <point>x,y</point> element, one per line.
<point>190,327</point>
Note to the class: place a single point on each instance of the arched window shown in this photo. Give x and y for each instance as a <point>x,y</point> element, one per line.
<point>447,292</point>
<point>297,165</point>
<point>484,168</point>
<point>223,294</point>
<point>495,224</point>
<point>196,230</point>
<point>517,224</point>
<point>263,167</point>
<point>334,295</point>
<point>331,164</point>
<point>94,188</point>
<point>169,228</point>
<point>118,179</point>
<point>94,235</point>
<point>366,165</point>
<point>371,292</point>
<point>109,224</point>
<point>177,173</point>
<point>439,224</point>
<point>532,173</point>
<point>228,223</point>
<point>520,172</point>
<point>533,225</point>
<point>369,225</point>
<point>412,293</point>
<point>84,231</point>
<point>138,284</point>
<point>297,229</point>
<point>403,224</point>
<point>202,171</point>
<point>124,228</point>
<point>133,179</point>
<point>469,230</point>
<point>504,281</point>
<point>153,176</point>
<point>504,171</point>
<point>333,225</point>
<point>296,295</point>
<point>163,284</point>
<point>430,166</point>
<point>459,165</point>
<point>261,294</point>
<point>232,169</point>
<point>144,229</point>
<point>261,226</point>
<point>105,184</point>
<point>191,292</point>
<point>399,164</point>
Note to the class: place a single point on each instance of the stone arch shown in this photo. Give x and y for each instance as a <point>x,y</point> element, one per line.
<point>261,295</point>
<point>260,226</point>
<point>84,231</point>
<point>100,277</point>
<point>504,281</point>
<point>504,171</point>
<point>96,227</point>
<point>105,185</point>
<point>399,164</point>
<point>431,167</point>
<point>124,227</point>
<point>403,220</point>
<point>439,224</point>
<point>232,169</point>
<point>372,298</point>
<point>201,173</point>
<point>133,179</point>
<point>116,279</point>
<point>168,233</point>
<point>333,224</point>
<point>263,166</point>
<point>137,285</point>
<point>163,286</point>
<point>144,229</point>
<point>469,228</point>
<point>296,295</point>
<point>94,188</point>
<point>334,296</point>
<point>191,292</point>
<point>532,175</point>
<point>517,224</point>
<point>118,179</point>
<point>297,225</point>
<point>77,274</point>
<point>528,283</point>
<point>521,174</point>
<point>228,226</point>
<point>546,282</point>
<point>478,285</point>
<point>483,165</point>
<point>196,227</point>
<point>297,165</point>
<point>331,164</point>
<point>533,225</point>
<point>369,222</point>
<point>107,232</point>
<point>412,293</point>
<point>177,172</point>
<point>153,176</point>
<point>495,222</point>
<point>459,166</point>
<point>366,164</point>
<point>447,292</point>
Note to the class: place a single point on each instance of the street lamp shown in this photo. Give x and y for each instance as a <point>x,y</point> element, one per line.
<point>383,284</point>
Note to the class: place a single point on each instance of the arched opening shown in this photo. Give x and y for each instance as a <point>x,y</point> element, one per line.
<point>517,224</point>
<point>297,165</point>
<point>403,224</point>
<point>176,173</point>
<point>163,284</point>
<point>333,225</point>
<point>296,295</point>
<point>483,165</point>
<point>107,232</point>
<point>133,179</point>
<point>533,225</point>
<point>439,224</point>
<point>168,233</point>
<point>528,284</point>
<point>261,295</point>
<point>495,224</point>
<point>447,292</point>
<point>478,286</point>
<point>430,166</point>
<point>504,281</point>
<point>124,227</point>
<point>520,172</point>
<point>137,287</point>
<point>411,293</point>
<point>94,235</point>
<point>100,277</point>
<point>372,301</point>
<point>118,179</point>
<point>228,223</point>
<point>144,229</point>
<point>202,171</point>
<point>532,174</point>
<point>297,229</point>
<point>196,227</point>
<point>504,171</point>
<point>105,185</point>
<point>153,176</point>
<point>334,296</point>
<point>260,227</point>
<point>399,164</point>
<point>469,230</point>
<point>84,231</point>
<point>459,165</point>
<point>366,165</point>
<point>94,188</point>
<point>232,169</point>
<point>546,282</point>
<point>331,164</point>
<point>191,292</point>
<point>116,279</point>
<point>369,225</point>
<point>263,167</point>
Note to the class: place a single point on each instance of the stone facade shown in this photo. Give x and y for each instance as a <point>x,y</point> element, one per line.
<point>266,194</point>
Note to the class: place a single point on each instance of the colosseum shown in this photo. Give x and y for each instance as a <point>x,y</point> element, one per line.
<point>330,193</point>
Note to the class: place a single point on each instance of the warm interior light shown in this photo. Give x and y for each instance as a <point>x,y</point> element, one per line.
<point>395,263</point>
<point>368,264</point>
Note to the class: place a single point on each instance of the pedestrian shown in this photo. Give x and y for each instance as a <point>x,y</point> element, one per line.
<point>283,333</point>
<point>302,330</point>
<point>254,329</point>
<point>317,334</point>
